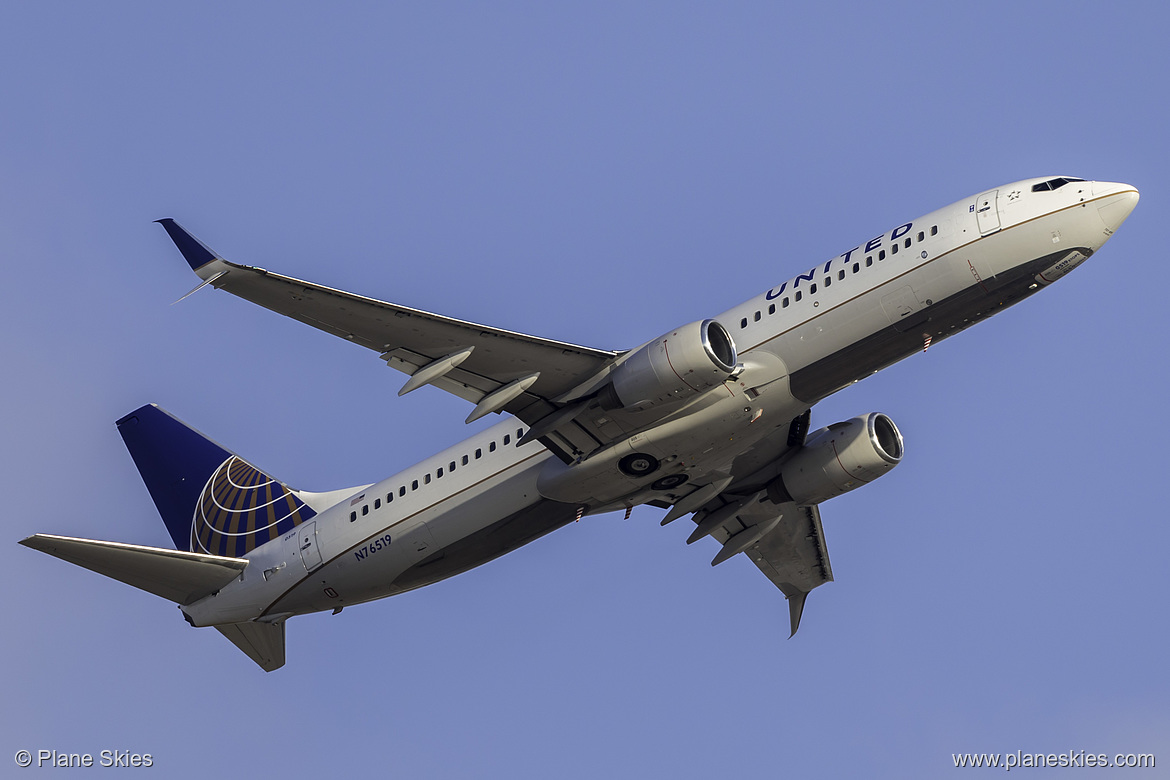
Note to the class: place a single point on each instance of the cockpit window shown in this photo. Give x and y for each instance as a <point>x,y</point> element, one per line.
<point>1053,184</point>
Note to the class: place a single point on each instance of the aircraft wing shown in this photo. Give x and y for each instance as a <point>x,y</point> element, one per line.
<point>785,541</point>
<point>794,557</point>
<point>496,369</point>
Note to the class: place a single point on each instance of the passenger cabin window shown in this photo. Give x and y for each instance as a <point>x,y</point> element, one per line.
<point>841,273</point>
<point>799,295</point>
<point>492,447</point>
<point>451,466</point>
<point>478,453</point>
<point>365,509</point>
<point>352,516</point>
<point>439,473</point>
<point>426,479</point>
<point>934,230</point>
<point>894,249</point>
<point>743,323</point>
<point>882,255</point>
<point>907,243</point>
<point>464,460</point>
<point>784,302</point>
<point>402,490</point>
<point>921,236</point>
<point>812,288</point>
<point>414,485</point>
<point>869,261</point>
<point>756,318</point>
<point>389,496</point>
<point>377,503</point>
<point>856,267</point>
<point>771,308</point>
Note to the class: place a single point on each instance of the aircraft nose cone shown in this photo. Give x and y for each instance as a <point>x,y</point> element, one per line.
<point>1114,208</point>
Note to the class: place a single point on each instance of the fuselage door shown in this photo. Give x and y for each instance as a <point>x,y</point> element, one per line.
<point>987,212</point>
<point>307,544</point>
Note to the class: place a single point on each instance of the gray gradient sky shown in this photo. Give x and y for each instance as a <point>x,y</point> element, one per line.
<point>596,173</point>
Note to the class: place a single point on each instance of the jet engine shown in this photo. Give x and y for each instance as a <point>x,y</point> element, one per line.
<point>837,459</point>
<point>673,367</point>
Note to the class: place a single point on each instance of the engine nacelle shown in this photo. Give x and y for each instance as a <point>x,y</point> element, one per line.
<point>837,459</point>
<point>679,365</point>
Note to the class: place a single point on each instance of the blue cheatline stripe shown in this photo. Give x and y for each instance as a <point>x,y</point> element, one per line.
<point>176,462</point>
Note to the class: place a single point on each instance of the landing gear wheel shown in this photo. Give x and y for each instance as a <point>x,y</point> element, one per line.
<point>638,465</point>
<point>668,482</point>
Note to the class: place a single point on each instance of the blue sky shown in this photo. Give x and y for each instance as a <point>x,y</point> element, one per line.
<point>596,173</point>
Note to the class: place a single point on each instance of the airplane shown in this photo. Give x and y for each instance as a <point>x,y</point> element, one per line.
<point>711,420</point>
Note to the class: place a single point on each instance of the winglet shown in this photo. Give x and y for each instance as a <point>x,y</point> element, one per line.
<point>194,251</point>
<point>796,609</point>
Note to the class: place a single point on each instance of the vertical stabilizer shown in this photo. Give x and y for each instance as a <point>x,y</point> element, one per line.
<point>210,499</point>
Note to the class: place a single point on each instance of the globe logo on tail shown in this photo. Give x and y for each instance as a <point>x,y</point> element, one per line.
<point>241,508</point>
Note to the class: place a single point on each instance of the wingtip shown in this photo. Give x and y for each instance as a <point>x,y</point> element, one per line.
<point>795,610</point>
<point>194,251</point>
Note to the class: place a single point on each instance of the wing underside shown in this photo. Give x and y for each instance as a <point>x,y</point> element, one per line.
<point>496,369</point>
<point>410,338</point>
<point>785,541</point>
<point>794,557</point>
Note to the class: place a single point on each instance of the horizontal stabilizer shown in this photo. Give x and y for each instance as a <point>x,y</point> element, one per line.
<point>262,642</point>
<point>181,577</point>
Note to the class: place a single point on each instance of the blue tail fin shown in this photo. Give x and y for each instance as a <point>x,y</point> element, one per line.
<point>211,500</point>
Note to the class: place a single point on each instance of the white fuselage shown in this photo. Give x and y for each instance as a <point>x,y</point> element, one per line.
<point>800,341</point>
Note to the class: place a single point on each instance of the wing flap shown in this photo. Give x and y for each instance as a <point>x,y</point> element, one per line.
<point>181,577</point>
